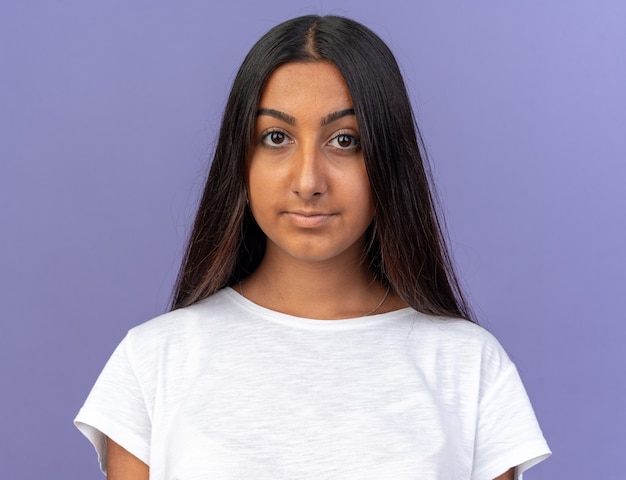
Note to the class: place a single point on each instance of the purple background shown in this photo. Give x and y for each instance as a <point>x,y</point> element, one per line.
<point>108,113</point>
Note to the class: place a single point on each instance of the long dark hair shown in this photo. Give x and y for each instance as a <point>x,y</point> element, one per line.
<point>405,245</point>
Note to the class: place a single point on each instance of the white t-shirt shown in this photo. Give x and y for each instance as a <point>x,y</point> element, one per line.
<point>227,389</point>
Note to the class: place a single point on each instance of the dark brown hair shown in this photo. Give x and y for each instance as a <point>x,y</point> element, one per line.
<point>406,248</point>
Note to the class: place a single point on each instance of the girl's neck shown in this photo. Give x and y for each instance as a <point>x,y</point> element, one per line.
<point>324,290</point>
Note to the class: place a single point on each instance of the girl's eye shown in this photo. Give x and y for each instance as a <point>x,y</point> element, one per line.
<point>344,141</point>
<point>274,139</point>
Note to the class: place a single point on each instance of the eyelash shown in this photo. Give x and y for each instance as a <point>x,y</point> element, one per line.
<point>265,137</point>
<point>356,141</point>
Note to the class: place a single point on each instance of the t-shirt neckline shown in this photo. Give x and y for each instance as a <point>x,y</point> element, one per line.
<point>313,323</point>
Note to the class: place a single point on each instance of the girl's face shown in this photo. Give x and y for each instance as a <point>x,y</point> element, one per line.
<point>307,184</point>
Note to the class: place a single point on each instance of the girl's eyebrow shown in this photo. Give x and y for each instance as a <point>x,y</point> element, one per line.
<point>328,119</point>
<point>277,114</point>
<point>333,117</point>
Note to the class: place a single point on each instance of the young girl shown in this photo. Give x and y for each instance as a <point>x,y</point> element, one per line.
<point>318,330</point>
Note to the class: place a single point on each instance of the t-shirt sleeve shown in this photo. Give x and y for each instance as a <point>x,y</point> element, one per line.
<point>117,408</point>
<point>507,432</point>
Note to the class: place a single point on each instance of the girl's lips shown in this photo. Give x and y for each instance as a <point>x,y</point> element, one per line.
<point>309,220</point>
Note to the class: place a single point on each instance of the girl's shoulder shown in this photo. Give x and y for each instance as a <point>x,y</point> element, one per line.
<point>181,326</point>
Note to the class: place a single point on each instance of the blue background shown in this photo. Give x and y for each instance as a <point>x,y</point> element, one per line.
<point>108,115</point>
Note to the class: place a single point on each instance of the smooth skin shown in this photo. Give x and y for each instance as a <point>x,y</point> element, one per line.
<point>122,465</point>
<point>309,192</point>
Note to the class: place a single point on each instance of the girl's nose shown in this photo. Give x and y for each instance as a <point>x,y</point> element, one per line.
<point>309,179</point>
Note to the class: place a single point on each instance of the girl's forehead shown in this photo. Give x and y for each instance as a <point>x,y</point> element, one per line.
<point>306,88</point>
